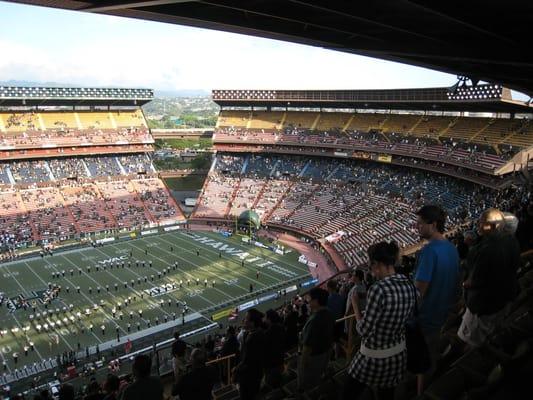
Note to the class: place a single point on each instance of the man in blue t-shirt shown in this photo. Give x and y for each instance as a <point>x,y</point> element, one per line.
<point>437,275</point>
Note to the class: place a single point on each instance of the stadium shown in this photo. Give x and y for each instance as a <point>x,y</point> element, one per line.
<point>102,264</point>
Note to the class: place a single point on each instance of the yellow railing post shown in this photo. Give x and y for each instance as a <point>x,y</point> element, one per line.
<point>229,370</point>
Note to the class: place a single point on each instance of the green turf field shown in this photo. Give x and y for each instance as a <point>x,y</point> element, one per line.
<point>72,314</point>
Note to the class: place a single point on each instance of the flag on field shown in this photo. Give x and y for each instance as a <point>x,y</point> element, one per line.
<point>128,346</point>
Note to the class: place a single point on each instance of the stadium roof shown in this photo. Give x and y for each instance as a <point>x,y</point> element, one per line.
<point>480,39</point>
<point>480,98</point>
<point>73,96</point>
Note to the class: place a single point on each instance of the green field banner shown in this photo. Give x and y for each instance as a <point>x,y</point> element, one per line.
<point>222,314</point>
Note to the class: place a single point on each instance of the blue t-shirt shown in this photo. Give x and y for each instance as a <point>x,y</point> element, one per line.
<point>438,264</point>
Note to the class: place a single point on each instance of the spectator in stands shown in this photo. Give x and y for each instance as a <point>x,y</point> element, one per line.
<point>336,306</point>
<point>511,223</point>
<point>275,349</point>
<point>303,314</point>
<point>179,349</point>
<point>111,387</point>
<point>230,344</point>
<point>437,277</point>
<point>92,392</point>
<point>66,392</point>
<point>465,243</point>
<point>249,372</point>
<point>316,341</point>
<point>145,386</point>
<point>290,323</point>
<point>382,359</point>
<point>525,227</point>
<point>357,279</point>
<point>198,383</point>
<point>492,282</point>
<point>335,300</point>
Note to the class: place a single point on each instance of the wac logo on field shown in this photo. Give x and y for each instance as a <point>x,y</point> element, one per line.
<point>113,260</point>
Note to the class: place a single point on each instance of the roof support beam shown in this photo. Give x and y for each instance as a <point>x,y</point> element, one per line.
<point>458,21</point>
<point>300,21</point>
<point>366,20</point>
<point>120,5</point>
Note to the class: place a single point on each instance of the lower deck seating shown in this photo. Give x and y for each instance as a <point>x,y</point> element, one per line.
<point>124,203</point>
<point>88,208</point>
<point>358,201</point>
<point>157,200</point>
<point>48,214</point>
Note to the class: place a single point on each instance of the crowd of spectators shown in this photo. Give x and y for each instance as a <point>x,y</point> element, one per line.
<point>157,199</point>
<point>477,155</point>
<point>41,171</point>
<point>41,130</point>
<point>102,166</point>
<point>465,288</point>
<point>300,341</point>
<point>359,202</point>
<point>30,171</point>
<point>134,164</point>
<point>50,213</point>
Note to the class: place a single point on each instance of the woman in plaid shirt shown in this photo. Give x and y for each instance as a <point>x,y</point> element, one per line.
<point>381,361</point>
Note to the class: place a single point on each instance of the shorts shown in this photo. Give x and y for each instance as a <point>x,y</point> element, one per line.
<point>475,329</point>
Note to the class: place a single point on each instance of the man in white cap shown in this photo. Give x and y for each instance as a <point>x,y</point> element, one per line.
<point>491,284</point>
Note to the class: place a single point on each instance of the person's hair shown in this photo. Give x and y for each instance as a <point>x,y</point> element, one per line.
<point>384,252</point>
<point>66,392</point>
<point>230,330</point>
<point>142,366</point>
<point>273,316</point>
<point>256,317</point>
<point>320,295</point>
<point>112,383</point>
<point>433,213</point>
<point>177,335</point>
<point>332,284</point>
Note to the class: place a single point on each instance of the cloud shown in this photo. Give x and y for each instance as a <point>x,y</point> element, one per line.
<point>114,51</point>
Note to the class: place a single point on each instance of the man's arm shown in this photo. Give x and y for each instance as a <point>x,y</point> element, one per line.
<point>424,271</point>
<point>422,287</point>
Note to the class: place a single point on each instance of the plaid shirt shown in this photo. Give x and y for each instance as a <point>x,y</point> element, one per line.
<point>390,303</point>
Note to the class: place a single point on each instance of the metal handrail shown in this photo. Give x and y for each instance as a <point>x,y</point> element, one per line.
<point>228,364</point>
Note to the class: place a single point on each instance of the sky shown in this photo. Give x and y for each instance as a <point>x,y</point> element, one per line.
<point>48,45</point>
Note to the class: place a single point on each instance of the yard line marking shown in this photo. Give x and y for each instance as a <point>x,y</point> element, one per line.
<point>247,249</point>
<point>165,262</point>
<point>16,319</point>
<point>198,267</point>
<point>46,285</point>
<point>83,294</point>
<point>275,278</point>
<point>220,267</point>
<point>153,302</point>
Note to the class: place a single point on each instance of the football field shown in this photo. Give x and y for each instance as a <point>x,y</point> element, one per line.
<point>78,299</point>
